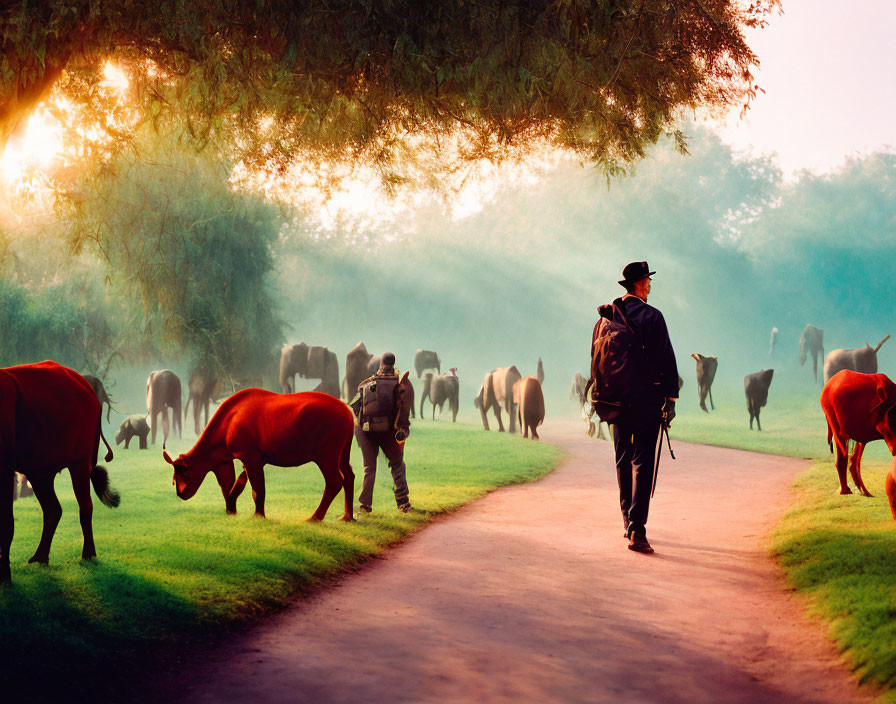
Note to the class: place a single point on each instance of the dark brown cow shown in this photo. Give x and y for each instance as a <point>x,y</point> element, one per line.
<point>756,389</point>
<point>50,419</point>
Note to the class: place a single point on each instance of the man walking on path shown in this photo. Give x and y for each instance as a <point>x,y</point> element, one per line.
<point>648,401</point>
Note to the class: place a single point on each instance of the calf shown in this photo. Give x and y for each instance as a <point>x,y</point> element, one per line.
<point>862,408</point>
<point>260,427</point>
<point>756,389</point>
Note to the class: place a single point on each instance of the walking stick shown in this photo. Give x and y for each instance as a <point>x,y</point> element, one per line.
<point>659,448</point>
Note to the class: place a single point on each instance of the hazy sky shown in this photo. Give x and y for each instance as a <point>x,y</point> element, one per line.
<point>827,69</point>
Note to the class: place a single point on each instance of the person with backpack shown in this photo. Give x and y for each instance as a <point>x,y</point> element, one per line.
<point>380,428</point>
<point>634,381</point>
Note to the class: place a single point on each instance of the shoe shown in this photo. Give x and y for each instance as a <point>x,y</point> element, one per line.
<point>639,543</point>
<point>364,509</point>
<point>404,508</point>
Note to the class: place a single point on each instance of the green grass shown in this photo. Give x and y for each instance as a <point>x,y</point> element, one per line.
<point>171,570</point>
<point>792,425</point>
<point>837,550</point>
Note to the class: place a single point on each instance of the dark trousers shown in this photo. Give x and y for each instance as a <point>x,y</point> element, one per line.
<point>635,437</point>
<point>371,442</point>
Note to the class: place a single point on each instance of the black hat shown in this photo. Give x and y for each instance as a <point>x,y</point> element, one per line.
<point>635,272</point>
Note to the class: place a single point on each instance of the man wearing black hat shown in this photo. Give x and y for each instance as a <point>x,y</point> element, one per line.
<point>649,403</point>
<point>371,438</point>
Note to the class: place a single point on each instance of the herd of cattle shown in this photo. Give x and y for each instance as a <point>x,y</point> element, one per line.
<point>502,389</point>
<point>859,406</point>
<point>254,426</point>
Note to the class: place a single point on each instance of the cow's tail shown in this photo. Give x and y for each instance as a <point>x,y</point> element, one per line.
<point>99,477</point>
<point>830,438</point>
<point>108,457</point>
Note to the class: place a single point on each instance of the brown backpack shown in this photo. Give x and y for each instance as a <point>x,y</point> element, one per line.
<point>378,409</point>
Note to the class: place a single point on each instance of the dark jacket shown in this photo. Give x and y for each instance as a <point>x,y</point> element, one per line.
<point>660,369</point>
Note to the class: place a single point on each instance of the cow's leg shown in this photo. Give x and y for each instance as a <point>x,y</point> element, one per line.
<point>42,483</point>
<point>7,490</point>
<point>127,442</point>
<point>855,468</point>
<point>333,480</point>
<point>711,404</point>
<point>255,473</point>
<point>702,391</point>
<point>482,412</point>
<point>348,481</point>
<point>197,412</point>
<point>166,424</point>
<point>842,458</point>
<point>758,424</point>
<point>80,474</point>
<point>497,409</point>
<point>153,423</point>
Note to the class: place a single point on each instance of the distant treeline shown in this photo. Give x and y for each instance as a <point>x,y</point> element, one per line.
<point>186,266</point>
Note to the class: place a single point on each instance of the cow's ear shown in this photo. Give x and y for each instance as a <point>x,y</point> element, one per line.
<point>405,377</point>
<point>696,356</point>
<point>167,457</point>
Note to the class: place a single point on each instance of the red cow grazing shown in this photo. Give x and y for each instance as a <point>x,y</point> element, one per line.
<point>260,427</point>
<point>50,419</point>
<point>859,407</point>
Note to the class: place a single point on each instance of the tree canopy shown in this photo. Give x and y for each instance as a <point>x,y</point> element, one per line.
<point>360,80</point>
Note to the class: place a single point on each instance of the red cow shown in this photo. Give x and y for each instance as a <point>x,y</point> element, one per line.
<point>859,407</point>
<point>50,419</point>
<point>260,427</point>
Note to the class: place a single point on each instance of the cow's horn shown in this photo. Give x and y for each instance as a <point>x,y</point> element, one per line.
<point>167,457</point>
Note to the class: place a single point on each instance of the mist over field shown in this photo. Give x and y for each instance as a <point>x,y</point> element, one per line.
<point>737,251</point>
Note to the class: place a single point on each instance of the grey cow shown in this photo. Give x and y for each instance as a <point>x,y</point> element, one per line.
<point>100,392</point>
<point>133,426</point>
<point>439,389</point>
<point>862,360</point>
<point>812,342</point>
<point>756,388</point>
<point>309,363</point>
<point>426,359</point>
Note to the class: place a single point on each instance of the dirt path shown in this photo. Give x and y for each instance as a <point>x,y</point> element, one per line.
<point>530,595</point>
